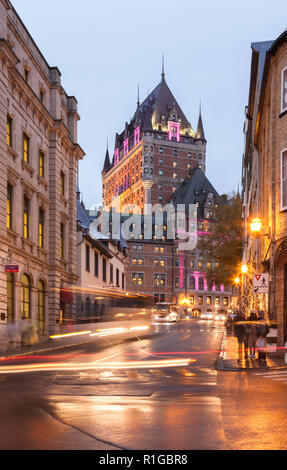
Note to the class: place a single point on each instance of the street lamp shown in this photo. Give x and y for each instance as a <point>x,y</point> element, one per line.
<point>244,269</point>
<point>255,226</point>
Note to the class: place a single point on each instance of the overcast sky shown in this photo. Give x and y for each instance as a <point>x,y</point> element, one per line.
<point>105,48</point>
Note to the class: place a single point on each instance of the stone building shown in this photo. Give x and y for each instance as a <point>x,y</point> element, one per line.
<point>39,156</point>
<point>264,174</point>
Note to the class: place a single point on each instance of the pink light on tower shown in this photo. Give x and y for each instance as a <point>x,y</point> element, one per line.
<point>126,146</point>
<point>173,130</point>
<point>116,156</point>
<point>136,135</point>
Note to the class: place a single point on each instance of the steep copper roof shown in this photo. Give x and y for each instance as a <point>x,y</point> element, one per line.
<point>159,103</point>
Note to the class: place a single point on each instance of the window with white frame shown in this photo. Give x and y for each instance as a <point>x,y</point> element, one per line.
<point>284,179</point>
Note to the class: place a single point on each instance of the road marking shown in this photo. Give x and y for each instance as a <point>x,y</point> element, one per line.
<point>185,372</point>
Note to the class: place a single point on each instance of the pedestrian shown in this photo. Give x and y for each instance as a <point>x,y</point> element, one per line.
<point>262,331</point>
<point>252,338</point>
<point>242,336</point>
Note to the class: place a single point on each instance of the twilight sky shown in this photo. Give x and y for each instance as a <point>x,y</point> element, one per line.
<point>105,48</point>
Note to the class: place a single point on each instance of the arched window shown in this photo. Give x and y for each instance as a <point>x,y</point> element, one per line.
<point>10,298</point>
<point>25,297</point>
<point>200,283</point>
<point>41,307</point>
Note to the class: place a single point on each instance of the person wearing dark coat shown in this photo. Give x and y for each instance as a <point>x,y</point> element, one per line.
<point>262,331</point>
<point>241,333</point>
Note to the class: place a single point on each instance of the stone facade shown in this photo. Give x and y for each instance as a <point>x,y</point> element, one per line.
<point>39,157</point>
<point>264,173</point>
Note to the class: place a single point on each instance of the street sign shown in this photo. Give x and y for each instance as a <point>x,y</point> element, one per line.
<point>11,268</point>
<point>261,283</point>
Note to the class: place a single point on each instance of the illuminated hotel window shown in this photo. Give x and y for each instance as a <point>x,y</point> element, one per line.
<point>9,131</point>
<point>25,297</point>
<point>26,148</point>
<point>26,217</point>
<point>200,300</point>
<point>41,164</point>
<point>137,279</point>
<point>41,308</point>
<point>9,205</point>
<point>176,282</point>
<point>208,300</point>
<point>41,228</point>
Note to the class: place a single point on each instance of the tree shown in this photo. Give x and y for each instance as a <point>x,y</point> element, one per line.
<point>223,243</point>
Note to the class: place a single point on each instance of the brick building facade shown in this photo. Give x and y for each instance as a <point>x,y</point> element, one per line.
<point>39,157</point>
<point>264,174</point>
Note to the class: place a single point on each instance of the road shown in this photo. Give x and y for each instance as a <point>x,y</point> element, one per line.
<point>130,396</point>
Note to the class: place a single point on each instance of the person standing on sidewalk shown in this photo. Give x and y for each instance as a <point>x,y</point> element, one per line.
<point>262,332</point>
<point>252,338</point>
<point>242,336</point>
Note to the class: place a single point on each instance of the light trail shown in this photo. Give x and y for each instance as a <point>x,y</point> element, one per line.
<point>97,365</point>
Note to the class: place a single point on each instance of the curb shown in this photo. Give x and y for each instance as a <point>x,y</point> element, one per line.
<point>222,367</point>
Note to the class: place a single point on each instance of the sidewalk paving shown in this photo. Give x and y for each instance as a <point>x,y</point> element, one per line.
<point>228,357</point>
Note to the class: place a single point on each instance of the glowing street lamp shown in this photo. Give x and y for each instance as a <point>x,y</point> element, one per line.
<point>244,269</point>
<point>237,280</point>
<point>255,226</point>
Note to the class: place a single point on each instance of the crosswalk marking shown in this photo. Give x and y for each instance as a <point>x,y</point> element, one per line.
<point>276,376</point>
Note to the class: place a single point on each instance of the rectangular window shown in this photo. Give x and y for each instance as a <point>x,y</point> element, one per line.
<point>26,148</point>
<point>192,300</point>
<point>111,273</point>
<point>200,300</point>
<point>118,277</point>
<point>41,228</point>
<point>159,280</point>
<point>96,265</point>
<point>9,205</point>
<point>9,131</point>
<point>62,183</point>
<point>225,301</point>
<point>62,240</point>
<point>26,218</point>
<point>123,281</point>
<point>104,270</point>
<point>87,258</point>
<point>176,282</point>
<point>41,164</point>
<point>137,279</point>
<point>208,300</point>
<point>284,179</point>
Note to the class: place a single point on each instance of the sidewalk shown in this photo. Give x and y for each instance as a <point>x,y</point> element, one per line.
<point>227,359</point>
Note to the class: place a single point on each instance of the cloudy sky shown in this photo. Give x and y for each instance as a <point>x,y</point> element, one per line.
<point>104,49</point>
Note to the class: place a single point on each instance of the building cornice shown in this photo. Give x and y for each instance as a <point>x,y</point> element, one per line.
<point>7,54</point>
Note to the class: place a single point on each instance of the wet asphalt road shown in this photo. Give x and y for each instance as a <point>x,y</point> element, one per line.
<point>147,406</point>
